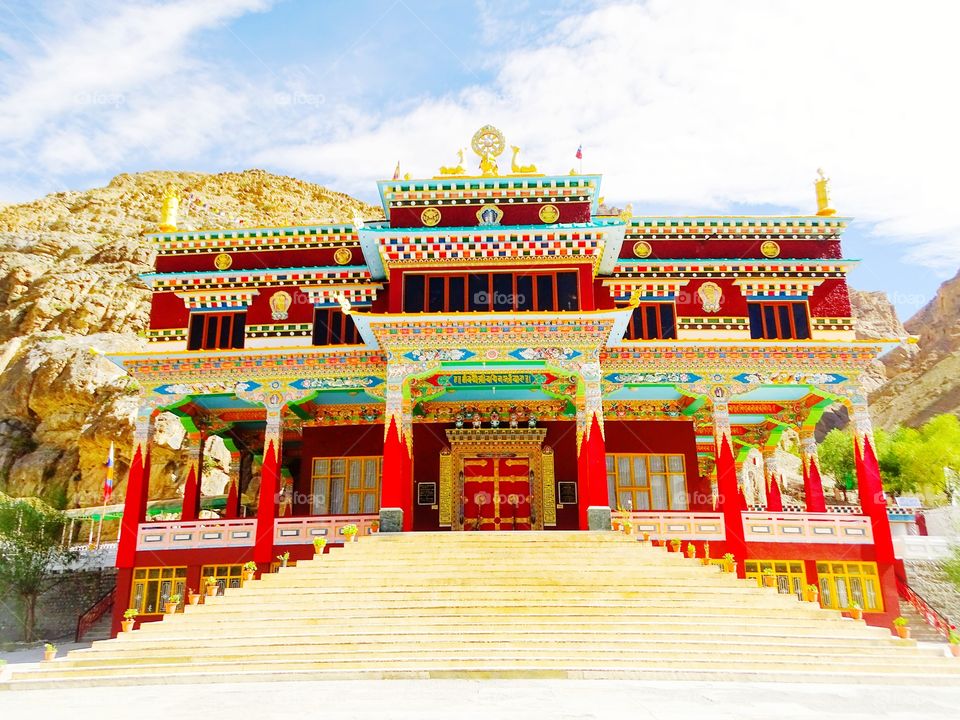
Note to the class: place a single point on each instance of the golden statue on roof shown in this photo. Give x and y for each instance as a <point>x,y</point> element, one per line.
<point>169,208</point>
<point>488,143</point>
<point>823,194</point>
<point>456,169</point>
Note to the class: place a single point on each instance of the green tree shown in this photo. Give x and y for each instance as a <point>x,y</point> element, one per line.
<point>30,550</point>
<point>836,456</point>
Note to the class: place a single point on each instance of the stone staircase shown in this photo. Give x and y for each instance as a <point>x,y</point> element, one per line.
<point>514,605</point>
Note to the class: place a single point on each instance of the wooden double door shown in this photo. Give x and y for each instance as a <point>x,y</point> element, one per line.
<point>497,493</point>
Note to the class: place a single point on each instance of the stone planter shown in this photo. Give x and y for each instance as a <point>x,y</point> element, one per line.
<point>127,625</point>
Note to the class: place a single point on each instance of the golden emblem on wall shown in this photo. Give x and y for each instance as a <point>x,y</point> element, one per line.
<point>711,296</point>
<point>549,214</point>
<point>642,249</point>
<point>222,261</point>
<point>343,256</point>
<point>280,304</point>
<point>430,216</point>
<point>770,249</point>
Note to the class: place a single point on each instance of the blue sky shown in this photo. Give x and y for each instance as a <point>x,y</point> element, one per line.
<point>685,106</point>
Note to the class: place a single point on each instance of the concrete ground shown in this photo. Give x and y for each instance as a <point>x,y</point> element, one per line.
<point>489,700</point>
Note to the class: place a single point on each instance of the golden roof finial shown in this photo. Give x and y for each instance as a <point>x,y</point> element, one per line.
<point>456,169</point>
<point>488,143</point>
<point>518,169</point>
<point>821,184</point>
<point>169,208</point>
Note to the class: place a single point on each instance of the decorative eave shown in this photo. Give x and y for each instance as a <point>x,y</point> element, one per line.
<point>597,242</point>
<point>224,368</point>
<point>267,277</point>
<point>413,332</point>
<point>498,190</point>
<point>777,227</point>
<point>238,240</point>
<point>688,268</point>
<point>769,361</point>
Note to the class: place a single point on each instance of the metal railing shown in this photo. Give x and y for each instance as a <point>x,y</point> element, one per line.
<point>93,614</point>
<point>933,618</point>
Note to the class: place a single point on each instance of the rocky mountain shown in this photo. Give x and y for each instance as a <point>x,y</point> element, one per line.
<point>69,266</point>
<point>924,380</point>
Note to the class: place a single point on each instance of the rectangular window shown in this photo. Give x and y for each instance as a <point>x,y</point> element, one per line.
<point>842,584</point>
<point>653,321</point>
<point>791,577</point>
<point>153,586</point>
<point>542,291</point>
<point>332,327</point>
<point>345,485</point>
<point>216,331</point>
<point>646,482</point>
<point>224,575</point>
<point>779,321</point>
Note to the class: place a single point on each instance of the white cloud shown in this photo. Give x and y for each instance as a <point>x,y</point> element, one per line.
<point>704,104</point>
<point>681,104</point>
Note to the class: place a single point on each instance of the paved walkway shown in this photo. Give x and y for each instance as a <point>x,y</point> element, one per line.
<point>489,700</point>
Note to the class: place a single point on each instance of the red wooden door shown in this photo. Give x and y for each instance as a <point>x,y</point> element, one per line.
<point>496,493</point>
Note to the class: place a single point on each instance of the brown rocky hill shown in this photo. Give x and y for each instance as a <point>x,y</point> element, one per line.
<point>68,284</point>
<point>924,380</point>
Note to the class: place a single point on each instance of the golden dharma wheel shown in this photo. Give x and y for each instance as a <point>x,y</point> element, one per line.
<point>549,214</point>
<point>430,216</point>
<point>770,249</point>
<point>343,256</point>
<point>222,261</point>
<point>488,141</point>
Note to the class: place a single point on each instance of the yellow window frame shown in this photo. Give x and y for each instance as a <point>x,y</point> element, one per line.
<point>791,574</point>
<point>634,486</point>
<point>224,575</point>
<point>152,587</point>
<point>322,481</point>
<point>843,583</point>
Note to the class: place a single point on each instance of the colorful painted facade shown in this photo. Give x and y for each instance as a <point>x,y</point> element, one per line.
<point>499,355</point>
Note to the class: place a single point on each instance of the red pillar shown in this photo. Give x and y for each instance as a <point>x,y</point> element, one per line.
<point>774,498</point>
<point>190,509</point>
<point>396,487</point>
<point>138,489</point>
<point>269,489</point>
<point>592,472</point>
<point>729,500</point>
<point>232,509</point>
<point>872,500</point>
<point>812,483</point>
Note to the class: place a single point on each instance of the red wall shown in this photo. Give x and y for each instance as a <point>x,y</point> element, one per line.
<point>258,260</point>
<point>466,215</point>
<point>651,436</point>
<point>737,248</point>
<point>333,441</point>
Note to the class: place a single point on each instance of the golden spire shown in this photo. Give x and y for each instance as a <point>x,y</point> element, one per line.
<point>823,194</point>
<point>169,208</point>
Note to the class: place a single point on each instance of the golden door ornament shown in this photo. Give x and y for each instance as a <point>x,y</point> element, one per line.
<point>711,296</point>
<point>280,304</point>
<point>430,216</point>
<point>343,256</point>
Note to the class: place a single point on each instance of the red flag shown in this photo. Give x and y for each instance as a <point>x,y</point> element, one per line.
<point>396,172</point>
<point>580,152</point>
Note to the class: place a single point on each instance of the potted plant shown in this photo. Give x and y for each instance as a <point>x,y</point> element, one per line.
<point>856,612</point>
<point>675,545</point>
<point>954,638</point>
<point>691,550</point>
<point>249,570</point>
<point>769,578</point>
<point>284,559</point>
<point>706,554</point>
<point>811,593</point>
<point>210,586</point>
<point>129,619</point>
<point>729,563</point>
<point>374,526</point>
<point>170,606</point>
<point>627,527</point>
<point>49,651</point>
<point>646,537</point>
<point>193,597</point>
<point>350,532</point>
<point>902,627</point>
<point>318,545</point>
